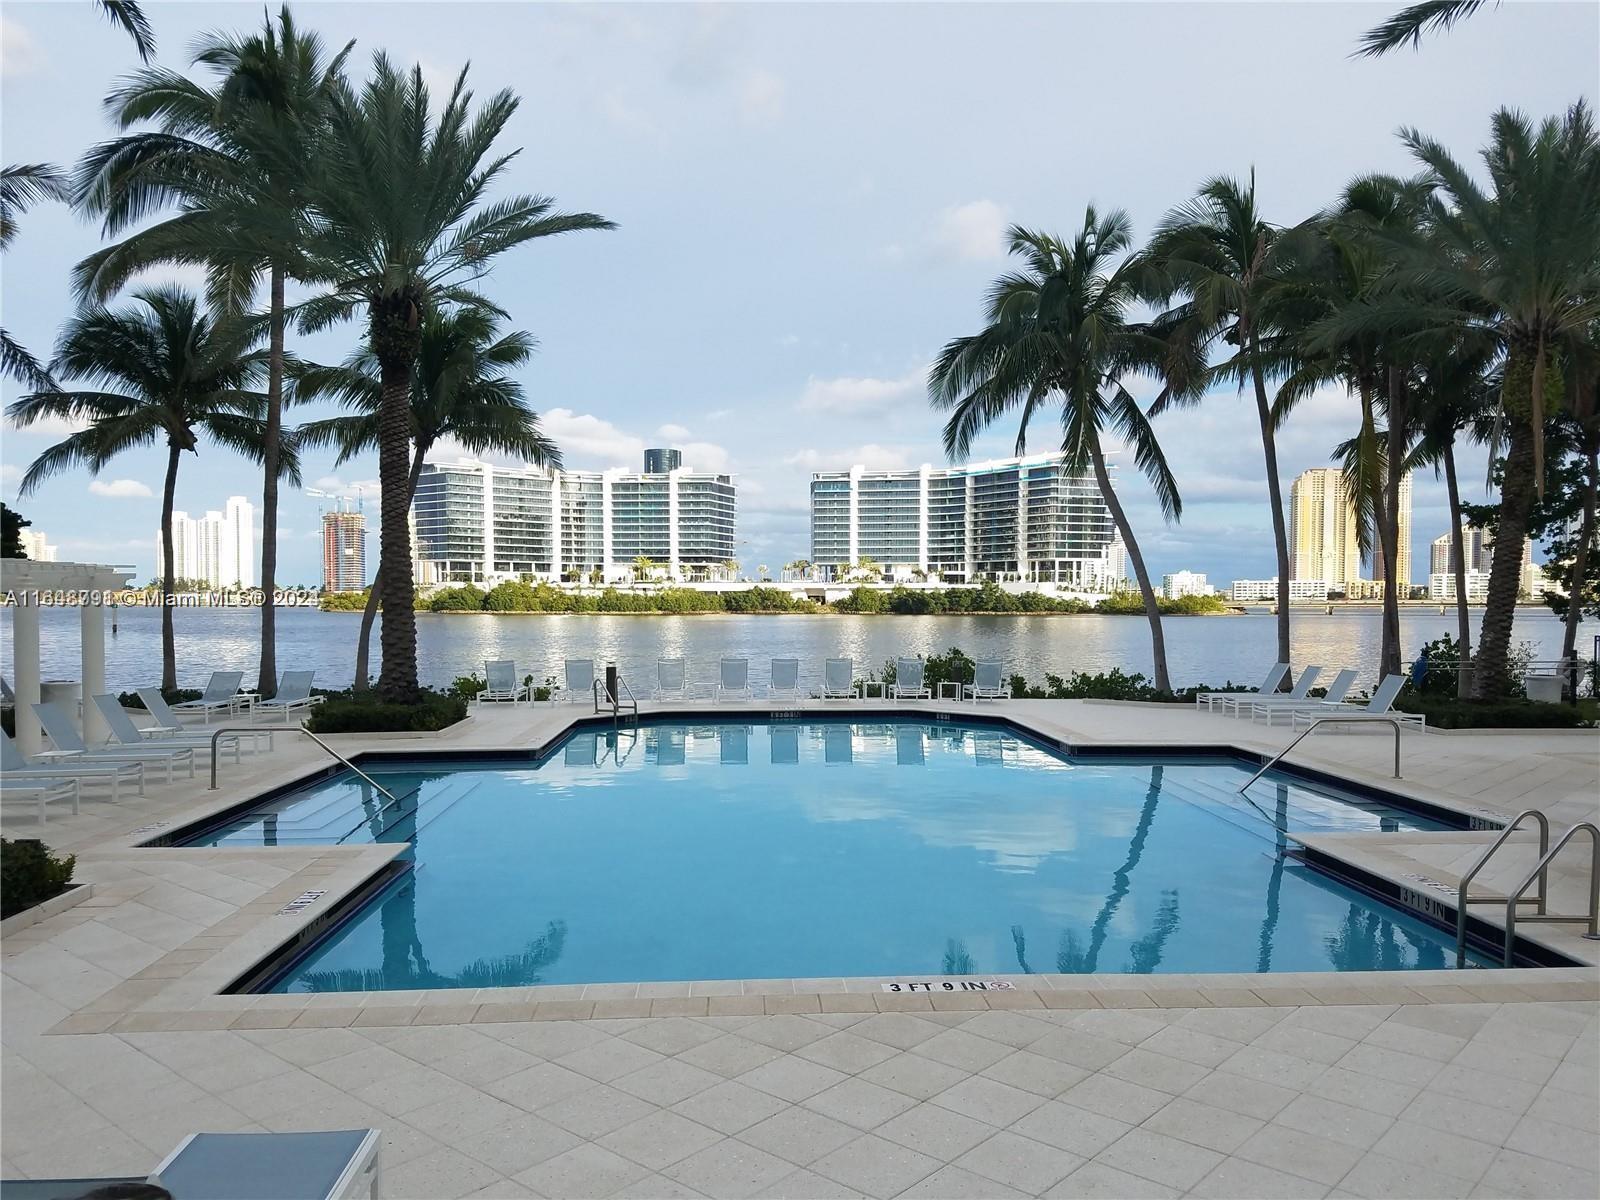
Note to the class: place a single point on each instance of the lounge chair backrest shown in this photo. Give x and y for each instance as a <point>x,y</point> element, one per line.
<point>785,673</point>
<point>669,674</point>
<point>580,674</point>
<point>735,674</point>
<point>6,693</point>
<point>223,685</point>
<point>908,672</point>
<point>1302,686</point>
<point>986,676</point>
<point>1340,687</point>
<point>120,724</point>
<point>838,674</point>
<point>1383,698</point>
<point>156,705</point>
<point>500,675</point>
<point>59,726</point>
<point>293,687</point>
<point>1274,678</point>
<point>11,759</point>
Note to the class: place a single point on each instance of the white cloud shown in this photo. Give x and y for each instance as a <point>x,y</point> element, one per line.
<point>120,489</point>
<point>871,456</point>
<point>587,440</point>
<point>19,53</point>
<point>705,456</point>
<point>673,433</point>
<point>789,339</point>
<point>760,97</point>
<point>717,414</point>
<point>10,474</point>
<point>52,427</point>
<point>860,395</point>
<point>974,232</point>
<point>628,116</point>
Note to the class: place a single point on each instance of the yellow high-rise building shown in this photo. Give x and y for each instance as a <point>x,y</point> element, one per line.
<point>1322,529</point>
<point>1404,555</point>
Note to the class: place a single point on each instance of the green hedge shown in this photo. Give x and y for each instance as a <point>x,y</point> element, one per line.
<point>170,695</point>
<point>368,714</point>
<point>30,874</point>
<point>1450,713</point>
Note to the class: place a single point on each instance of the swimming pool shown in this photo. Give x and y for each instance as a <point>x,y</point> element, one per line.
<point>823,849</point>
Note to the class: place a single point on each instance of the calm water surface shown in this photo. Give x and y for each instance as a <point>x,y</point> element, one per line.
<point>1200,649</point>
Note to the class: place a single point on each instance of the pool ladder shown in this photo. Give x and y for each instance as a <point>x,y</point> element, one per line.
<point>1539,874</point>
<point>615,699</point>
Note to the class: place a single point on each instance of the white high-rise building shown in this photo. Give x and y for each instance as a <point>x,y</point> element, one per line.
<point>1185,583</point>
<point>218,550</point>
<point>1016,519</point>
<point>36,546</point>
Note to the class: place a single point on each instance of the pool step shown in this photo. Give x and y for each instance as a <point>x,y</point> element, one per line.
<point>1236,812</point>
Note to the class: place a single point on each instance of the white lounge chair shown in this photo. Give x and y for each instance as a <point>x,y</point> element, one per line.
<point>733,679</point>
<point>579,673</point>
<point>671,679</point>
<point>1273,707</point>
<point>839,679</point>
<point>69,744</point>
<point>501,683</point>
<point>18,769</point>
<point>167,725</point>
<point>785,683</point>
<point>125,733</point>
<point>908,680</point>
<point>1208,700</point>
<point>221,696</point>
<point>294,695</point>
<point>1237,705</point>
<point>41,792</point>
<point>1379,708</point>
<point>988,683</point>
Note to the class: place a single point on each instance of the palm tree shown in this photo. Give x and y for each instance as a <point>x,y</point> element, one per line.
<point>461,389</point>
<point>162,370</point>
<point>1229,264</point>
<point>1408,25</point>
<point>401,227</point>
<point>21,186</point>
<point>1059,332</point>
<point>233,158</point>
<point>1521,258</point>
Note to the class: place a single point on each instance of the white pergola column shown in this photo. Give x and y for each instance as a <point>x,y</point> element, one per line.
<point>92,639</point>
<point>25,669</point>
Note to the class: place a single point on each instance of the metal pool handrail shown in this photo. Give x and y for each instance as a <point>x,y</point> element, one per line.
<point>616,702</point>
<point>1472,873</point>
<point>1392,722</point>
<point>1591,918</point>
<point>257,729</point>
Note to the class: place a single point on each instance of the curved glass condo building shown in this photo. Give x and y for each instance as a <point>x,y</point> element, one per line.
<point>1028,519</point>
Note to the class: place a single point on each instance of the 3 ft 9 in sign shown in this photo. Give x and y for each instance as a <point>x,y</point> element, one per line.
<point>951,985</point>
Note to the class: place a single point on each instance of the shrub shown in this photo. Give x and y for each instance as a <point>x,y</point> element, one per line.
<point>344,601</point>
<point>30,874</point>
<point>368,714</point>
<point>466,687</point>
<point>170,695</point>
<point>465,598</point>
<point>1450,713</point>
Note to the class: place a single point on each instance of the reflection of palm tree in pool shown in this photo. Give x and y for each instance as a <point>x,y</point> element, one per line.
<point>1072,958</point>
<point>1369,941</point>
<point>1269,922</point>
<point>405,965</point>
<point>1144,955</point>
<point>956,959</point>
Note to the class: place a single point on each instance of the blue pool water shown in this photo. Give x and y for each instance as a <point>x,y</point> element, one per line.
<point>827,849</point>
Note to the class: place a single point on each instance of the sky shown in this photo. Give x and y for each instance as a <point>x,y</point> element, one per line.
<point>811,200</point>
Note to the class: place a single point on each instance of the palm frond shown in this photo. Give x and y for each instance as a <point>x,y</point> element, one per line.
<point>1408,25</point>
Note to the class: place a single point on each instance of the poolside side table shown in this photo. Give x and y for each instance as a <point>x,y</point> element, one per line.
<point>867,686</point>
<point>949,689</point>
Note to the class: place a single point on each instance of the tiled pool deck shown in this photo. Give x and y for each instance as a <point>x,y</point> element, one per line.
<point>116,1044</point>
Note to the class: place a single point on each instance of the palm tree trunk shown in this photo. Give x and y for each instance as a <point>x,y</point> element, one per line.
<point>1459,550</point>
<point>267,673</point>
<point>1491,678</point>
<point>169,646</point>
<point>1280,533</point>
<point>1580,557</point>
<point>1158,643</point>
<point>370,613</point>
<point>1395,469</point>
<point>399,638</point>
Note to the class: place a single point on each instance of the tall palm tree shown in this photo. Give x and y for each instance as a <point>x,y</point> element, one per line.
<point>1228,264</point>
<point>129,14</point>
<point>461,389</point>
<point>1059,332</point>
<point>401,226</point>
<point>23,185</point>
<point>1521,257</point>
<point>161,370</point>
<point>1408,25</point>
<point>233,158</point>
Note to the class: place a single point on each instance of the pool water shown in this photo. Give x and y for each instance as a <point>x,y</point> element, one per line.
<point>825,849</point>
